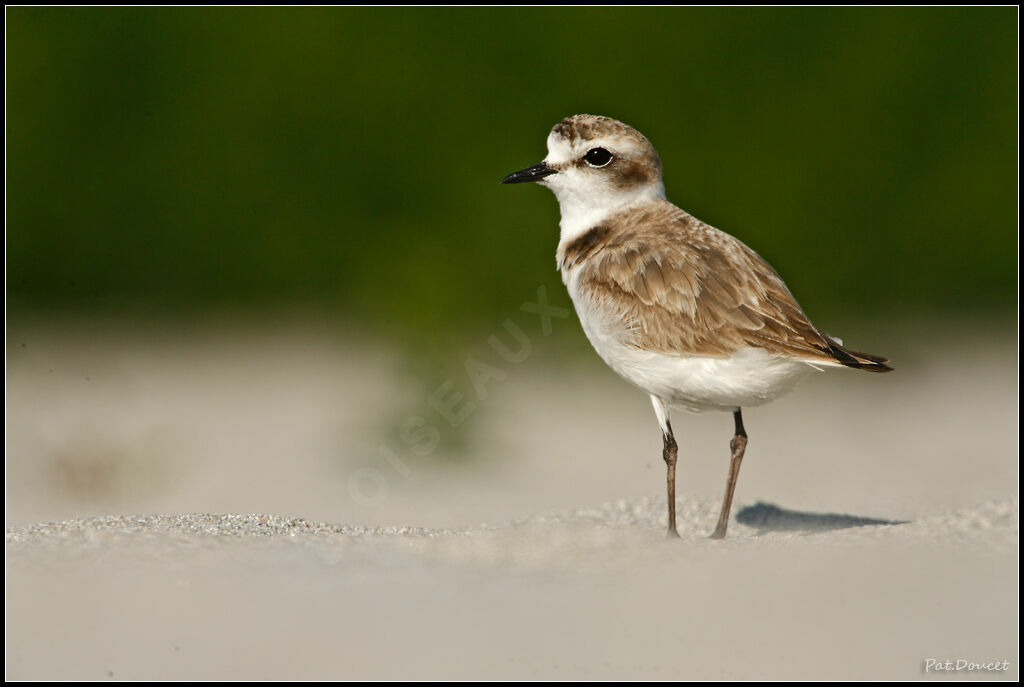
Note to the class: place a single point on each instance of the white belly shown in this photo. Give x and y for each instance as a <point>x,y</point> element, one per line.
<point>749,377</point>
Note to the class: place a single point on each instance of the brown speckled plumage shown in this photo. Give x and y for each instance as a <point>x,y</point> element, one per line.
<point>590,127</point>
<point>686,288</point>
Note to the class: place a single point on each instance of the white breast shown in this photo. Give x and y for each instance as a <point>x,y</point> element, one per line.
<point>749,377</point>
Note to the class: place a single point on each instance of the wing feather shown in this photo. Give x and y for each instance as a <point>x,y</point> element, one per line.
<point>686,288</point>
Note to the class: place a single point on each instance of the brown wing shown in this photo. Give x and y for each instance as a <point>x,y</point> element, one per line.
<point>686,288</point>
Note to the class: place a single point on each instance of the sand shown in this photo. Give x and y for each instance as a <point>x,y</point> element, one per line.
<point>875,532</point>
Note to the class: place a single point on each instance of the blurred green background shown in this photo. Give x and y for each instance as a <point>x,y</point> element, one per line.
<point>347,159</point>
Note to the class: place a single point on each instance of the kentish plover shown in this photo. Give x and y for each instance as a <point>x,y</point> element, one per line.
<point>681,310</point>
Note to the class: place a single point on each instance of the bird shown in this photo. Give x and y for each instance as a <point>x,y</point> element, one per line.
<point>683,311</point>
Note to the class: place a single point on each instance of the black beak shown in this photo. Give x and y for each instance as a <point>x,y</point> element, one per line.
<point>535,173</point>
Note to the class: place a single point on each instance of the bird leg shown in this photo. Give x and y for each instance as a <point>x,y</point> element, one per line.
<point>737,446</point>
<point>669,454</point>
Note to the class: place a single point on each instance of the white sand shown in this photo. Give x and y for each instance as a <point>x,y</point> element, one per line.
<point>281,424</point>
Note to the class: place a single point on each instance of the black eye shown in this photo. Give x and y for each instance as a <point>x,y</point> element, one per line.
<point>597,157</point>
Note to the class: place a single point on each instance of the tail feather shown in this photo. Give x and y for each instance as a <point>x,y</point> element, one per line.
<point>859,361</point>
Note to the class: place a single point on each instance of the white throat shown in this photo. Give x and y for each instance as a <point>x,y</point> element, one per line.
<point>584,207</point>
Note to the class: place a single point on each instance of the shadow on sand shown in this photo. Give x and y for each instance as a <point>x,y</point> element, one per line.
<point>766,517</point>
